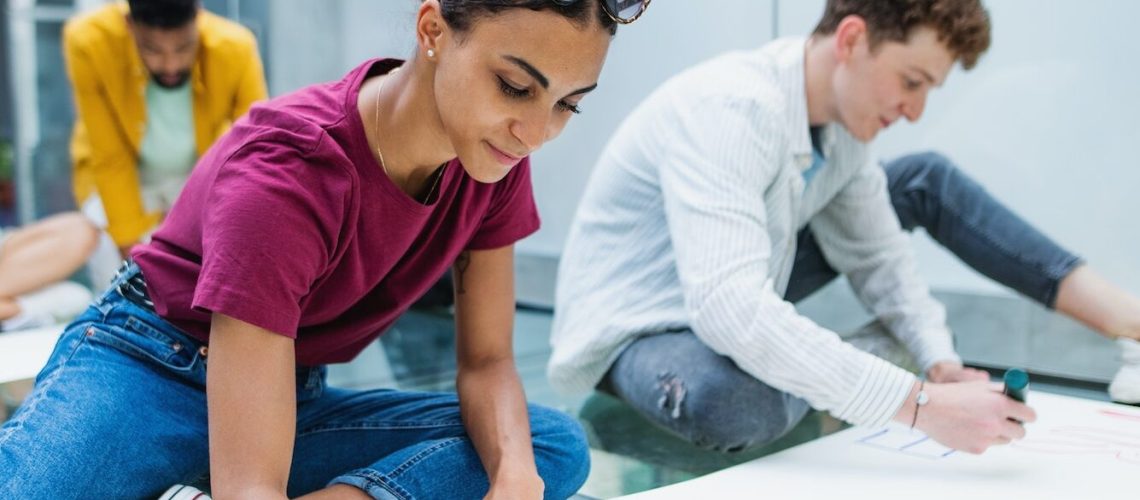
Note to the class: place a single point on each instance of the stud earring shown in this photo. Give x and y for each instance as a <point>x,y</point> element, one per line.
<point>431,53</point>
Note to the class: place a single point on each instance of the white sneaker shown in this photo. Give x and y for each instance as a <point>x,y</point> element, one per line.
<point>1125,386</point>
<point>56,303</point>
<point>26,320</point>
<point>183,492</point>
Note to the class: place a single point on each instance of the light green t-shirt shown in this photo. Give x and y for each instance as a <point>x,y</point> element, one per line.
<point>168,149</point>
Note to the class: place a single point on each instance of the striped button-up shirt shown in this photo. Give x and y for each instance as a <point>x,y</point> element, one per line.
<point>690,221</point>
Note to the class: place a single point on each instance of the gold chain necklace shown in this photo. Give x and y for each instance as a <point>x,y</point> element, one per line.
<point>383,164</point>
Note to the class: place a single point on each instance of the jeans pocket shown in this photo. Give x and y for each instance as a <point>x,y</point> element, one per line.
<point>144,341</point>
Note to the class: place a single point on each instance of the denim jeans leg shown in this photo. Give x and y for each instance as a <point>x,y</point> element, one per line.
<point>928,191</point>
<point>402,444</point>
<point>675,381</point>
<point>117,412</point>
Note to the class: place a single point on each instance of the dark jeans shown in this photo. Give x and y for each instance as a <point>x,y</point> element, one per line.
<point>677,382</point>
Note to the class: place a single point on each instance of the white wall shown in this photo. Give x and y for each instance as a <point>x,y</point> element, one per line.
<point>671,36</point>
<point>302,35</point>
<point>315,42</point>
<point>1047,122</point>
<point>377,29</point>
<point>1044,122</point>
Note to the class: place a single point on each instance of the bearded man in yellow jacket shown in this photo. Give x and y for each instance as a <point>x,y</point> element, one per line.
<point>156,82</point>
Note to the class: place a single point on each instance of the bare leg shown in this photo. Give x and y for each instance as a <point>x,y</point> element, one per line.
<point>42,253</point>
<point>8,308</point>
<point>1089,298</point>
<point>928,191</point>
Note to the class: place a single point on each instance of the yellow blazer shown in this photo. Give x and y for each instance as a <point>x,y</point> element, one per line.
<point>109,83</point>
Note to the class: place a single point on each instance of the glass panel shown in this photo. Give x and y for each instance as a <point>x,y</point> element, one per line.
<point>49,157</point>
<point>5,80</point>
<point>51,163</point>
<point>254,14</point>
<point>7,189</point>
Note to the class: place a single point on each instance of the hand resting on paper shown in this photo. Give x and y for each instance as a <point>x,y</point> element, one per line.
<point>967,416</point>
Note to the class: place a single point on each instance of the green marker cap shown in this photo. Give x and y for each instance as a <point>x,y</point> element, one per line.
<point>1016,383</point>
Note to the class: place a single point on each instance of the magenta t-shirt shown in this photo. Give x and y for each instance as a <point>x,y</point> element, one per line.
<point>290,224</point>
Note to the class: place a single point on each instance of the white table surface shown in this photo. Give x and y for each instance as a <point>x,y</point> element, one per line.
<point>24,352</point>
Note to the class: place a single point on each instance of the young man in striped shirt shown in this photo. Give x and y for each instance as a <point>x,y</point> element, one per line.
<point>744,184</point>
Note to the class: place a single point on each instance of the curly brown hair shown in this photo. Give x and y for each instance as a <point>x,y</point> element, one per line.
<point>963,25</point>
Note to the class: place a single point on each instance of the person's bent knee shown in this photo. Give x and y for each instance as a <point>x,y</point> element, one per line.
<point>84,232</point>
<point>730,435</point>
<point>76,238</point>
<point>561,451</point>
<point>72,229</point>
<point>929,163</point>
<point>731,418</point>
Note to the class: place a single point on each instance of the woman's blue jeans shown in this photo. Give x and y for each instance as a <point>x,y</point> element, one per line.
<point>120,412</point>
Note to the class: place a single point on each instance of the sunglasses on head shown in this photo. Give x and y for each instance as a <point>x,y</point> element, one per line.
<point>621,11</point>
